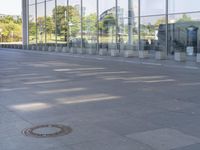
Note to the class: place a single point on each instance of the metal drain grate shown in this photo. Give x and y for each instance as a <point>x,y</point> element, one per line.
<point>47,131</point>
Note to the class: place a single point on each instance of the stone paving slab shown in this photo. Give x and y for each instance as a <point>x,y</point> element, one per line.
<point>112,144</point>
<point>12,129</point>
<point>125,126</point>
<point>190,147</point>
<point>165,139</point>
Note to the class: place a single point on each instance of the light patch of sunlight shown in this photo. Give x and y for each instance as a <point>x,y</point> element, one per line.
<point>12,89</point>
<point>145,78</point>
<point>158,81</point>
<point>33,78</point>
<point>112,78</point>
<point>77,69</point>
<point>31,106</point>
<point>86,99</point>
<point>23,75</point>
<point>133,78</point>
<point>61,91</point>
<point>152,79</point>
<point>190,84</point>
<point>38,65</point>
<point>45,82</point>
<point>101,73</point>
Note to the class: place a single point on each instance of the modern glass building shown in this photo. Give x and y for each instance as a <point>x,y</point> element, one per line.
<point>116,27</point>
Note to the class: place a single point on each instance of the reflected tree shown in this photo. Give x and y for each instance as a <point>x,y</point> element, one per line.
<point>64,16</point>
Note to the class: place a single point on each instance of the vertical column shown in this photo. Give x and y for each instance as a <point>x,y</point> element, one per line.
<point>97,25</point>
<point>139,25</point>
<point>68,27</point>
<point>130,21</point>
<point>81,24</point>
<point>36,21</point>
<point>45,19</point>
<point>167,26</point>
<point>56,32</point>
<point>25,21</point>
<point>117,25</point>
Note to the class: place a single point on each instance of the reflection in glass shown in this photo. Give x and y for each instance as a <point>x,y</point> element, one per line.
<point>180,6</point>
<point>127,25</point>
<point>74,19</point>
<point>32,25</point>
<point>50,22</point>
<point>89,23</point>
<point>153,33</point>
<point>62,23</point>
<point>40,23</point>
<point>184,33</point>
<point>107,23</point>
<point>152,7</point>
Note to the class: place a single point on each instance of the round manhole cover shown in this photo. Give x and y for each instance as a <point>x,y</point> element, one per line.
<point>46,131</point>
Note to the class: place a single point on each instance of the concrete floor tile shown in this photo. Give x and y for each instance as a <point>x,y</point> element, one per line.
<point>165,139</point>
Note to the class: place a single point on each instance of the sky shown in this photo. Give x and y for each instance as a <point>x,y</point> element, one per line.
<point>10,7</point>
<point>13,7</point>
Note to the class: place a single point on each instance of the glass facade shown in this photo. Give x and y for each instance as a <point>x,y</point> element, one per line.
<point>50,23</point>
<point>40,23</point>
<point>89,26</point>
<point>140,25</point>
<point>32,24</point>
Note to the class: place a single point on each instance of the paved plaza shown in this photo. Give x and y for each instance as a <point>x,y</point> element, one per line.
<point>109,103</point>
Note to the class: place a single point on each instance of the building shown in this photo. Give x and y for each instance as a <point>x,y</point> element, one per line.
<point>137,25</point>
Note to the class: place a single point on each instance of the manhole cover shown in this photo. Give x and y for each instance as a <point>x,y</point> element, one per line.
<point>46,131</point>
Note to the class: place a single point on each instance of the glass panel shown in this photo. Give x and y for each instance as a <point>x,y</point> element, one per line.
<point>75,23</point>
<point>152,7</point>
<point>128,25</point>
<point>61,21</point>
<point>32,25</point>
<point>31,2</point>
<point>50,22</point>
<point>90,24</point>
<point>39,1</point>
<point>177,6</point>
<point>107,23</point>
<point>40,23</point>
<point>184,33</point>
<point>153,33</point>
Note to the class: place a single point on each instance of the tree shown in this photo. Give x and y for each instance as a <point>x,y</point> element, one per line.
<point>107,22</point>
<point>50,26</point>
<point>11,29</point>
<point>185,18</point>
<point>89,23</point>
<point>66,15</point>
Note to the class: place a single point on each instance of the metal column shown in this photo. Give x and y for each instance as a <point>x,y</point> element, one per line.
<point>130,22</point>
<point>139,26</point>
<point>25,18</point>
<point>117,25</point>
<point>97,25</point>
<point>167,27</point>
<point>45,20</point>
<point>36,24</point>
<point>56,32</point>
<point>81,24</point>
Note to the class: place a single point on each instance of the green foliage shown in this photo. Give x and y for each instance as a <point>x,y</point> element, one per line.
<point>11,29</point>
<point>90,23</point>
<point>67,15</point>
<point>107,22</point>
<point>185,18</point>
